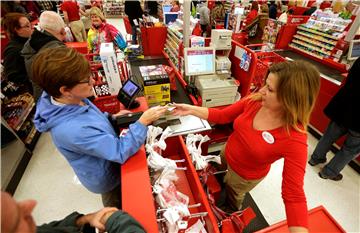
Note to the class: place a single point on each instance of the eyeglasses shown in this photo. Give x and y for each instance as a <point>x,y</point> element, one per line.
<point>26,26</point>
<point>88,81</point>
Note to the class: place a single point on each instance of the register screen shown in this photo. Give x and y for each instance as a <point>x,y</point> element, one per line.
<point>200,62</point>
<point>130,88</point>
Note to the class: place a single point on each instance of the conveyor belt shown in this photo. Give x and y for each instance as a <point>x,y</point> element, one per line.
<point>326,70</point>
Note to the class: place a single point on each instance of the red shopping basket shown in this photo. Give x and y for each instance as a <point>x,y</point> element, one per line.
<point>108,104</point>
<point>265,59</point>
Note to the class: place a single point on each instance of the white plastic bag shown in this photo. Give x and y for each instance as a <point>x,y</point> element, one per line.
<point>69,36</point>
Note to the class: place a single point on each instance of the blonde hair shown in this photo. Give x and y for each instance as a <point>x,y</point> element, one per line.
<point>96,11</point>
<point>297,88</point>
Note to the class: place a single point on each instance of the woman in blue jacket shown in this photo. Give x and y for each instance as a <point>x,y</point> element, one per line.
<point>82,133</point>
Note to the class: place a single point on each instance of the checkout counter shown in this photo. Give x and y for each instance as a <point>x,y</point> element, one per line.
<point>137,198</point>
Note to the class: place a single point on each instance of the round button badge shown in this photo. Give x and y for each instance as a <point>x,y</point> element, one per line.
<point>268,137</point>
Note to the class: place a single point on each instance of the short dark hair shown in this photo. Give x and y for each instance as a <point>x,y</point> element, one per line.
<point>53,68</point>
<point>11,22</point>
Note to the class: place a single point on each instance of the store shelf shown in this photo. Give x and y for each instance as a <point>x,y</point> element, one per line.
<point>319,44</point>
<point>305,51</point>
<point>17,125</point>
<point>318,38</point>
<point>311,47</point>
<point>301,27</point>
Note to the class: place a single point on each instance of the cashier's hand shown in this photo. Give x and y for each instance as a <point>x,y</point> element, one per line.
<point>152,114</point>
<point>182,110</point>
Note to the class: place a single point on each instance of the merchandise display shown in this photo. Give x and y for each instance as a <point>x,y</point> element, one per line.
<point>18,112</point>
<point>319,36</point>
<point>113,8</point>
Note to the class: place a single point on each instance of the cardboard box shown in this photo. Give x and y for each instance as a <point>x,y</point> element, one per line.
<point>156,84</point>
<point>111,69</point>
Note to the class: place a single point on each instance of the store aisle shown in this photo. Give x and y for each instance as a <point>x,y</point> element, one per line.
<point>50,180</point>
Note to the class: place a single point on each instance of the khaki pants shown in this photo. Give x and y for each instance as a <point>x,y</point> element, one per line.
<point>235,186</point>
<point>78,29</point>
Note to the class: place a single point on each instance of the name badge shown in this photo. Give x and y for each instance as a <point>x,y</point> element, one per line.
<point>268,137</point>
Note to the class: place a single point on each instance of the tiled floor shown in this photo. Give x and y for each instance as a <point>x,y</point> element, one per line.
<point>50,180</point>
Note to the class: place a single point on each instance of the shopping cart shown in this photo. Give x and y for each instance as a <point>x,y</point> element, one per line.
<point>264,60</point>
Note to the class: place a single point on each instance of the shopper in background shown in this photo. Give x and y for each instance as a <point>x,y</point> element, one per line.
<point>217,13</point>
<point>18,29</point>
<point>284,16</point>
<point>175,6</point>
<point>16,217</point>
<point>345,120</point>
<point>152,7</point>
<point>204,12</point>
<point>51,35</point>
<point>72,11</point>
<point>252,14</point>
<point>102,32</point>
<point>272,10</point>
<point>82,133</point>
<point>134,11</point>
<point>269,125</point>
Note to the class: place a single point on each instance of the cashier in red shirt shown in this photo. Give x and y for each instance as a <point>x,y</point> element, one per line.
<point>269,125</point>
<point>72,13</point>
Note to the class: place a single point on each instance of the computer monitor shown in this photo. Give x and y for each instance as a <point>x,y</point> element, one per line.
<point>166,8</point>
<point>199,60</point>
<point>354,50</point>
<point>170,17</point>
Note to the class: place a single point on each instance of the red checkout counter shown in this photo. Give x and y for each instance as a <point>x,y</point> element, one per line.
<point>136,190</point>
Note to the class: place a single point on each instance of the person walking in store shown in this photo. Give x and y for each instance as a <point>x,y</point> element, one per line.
<point>72,13</point>
<point>268,125</point>
<point>134,11</point>
<point>102,32</point>
<point>344,115</point>
<point>272,10</point>
<point>82,133</point>
<point>18,29</point>
<point>217,13</point>
<point>204,12</point>
<point>284,16</point>
<point>16,217</point>
<point>51,34</point>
